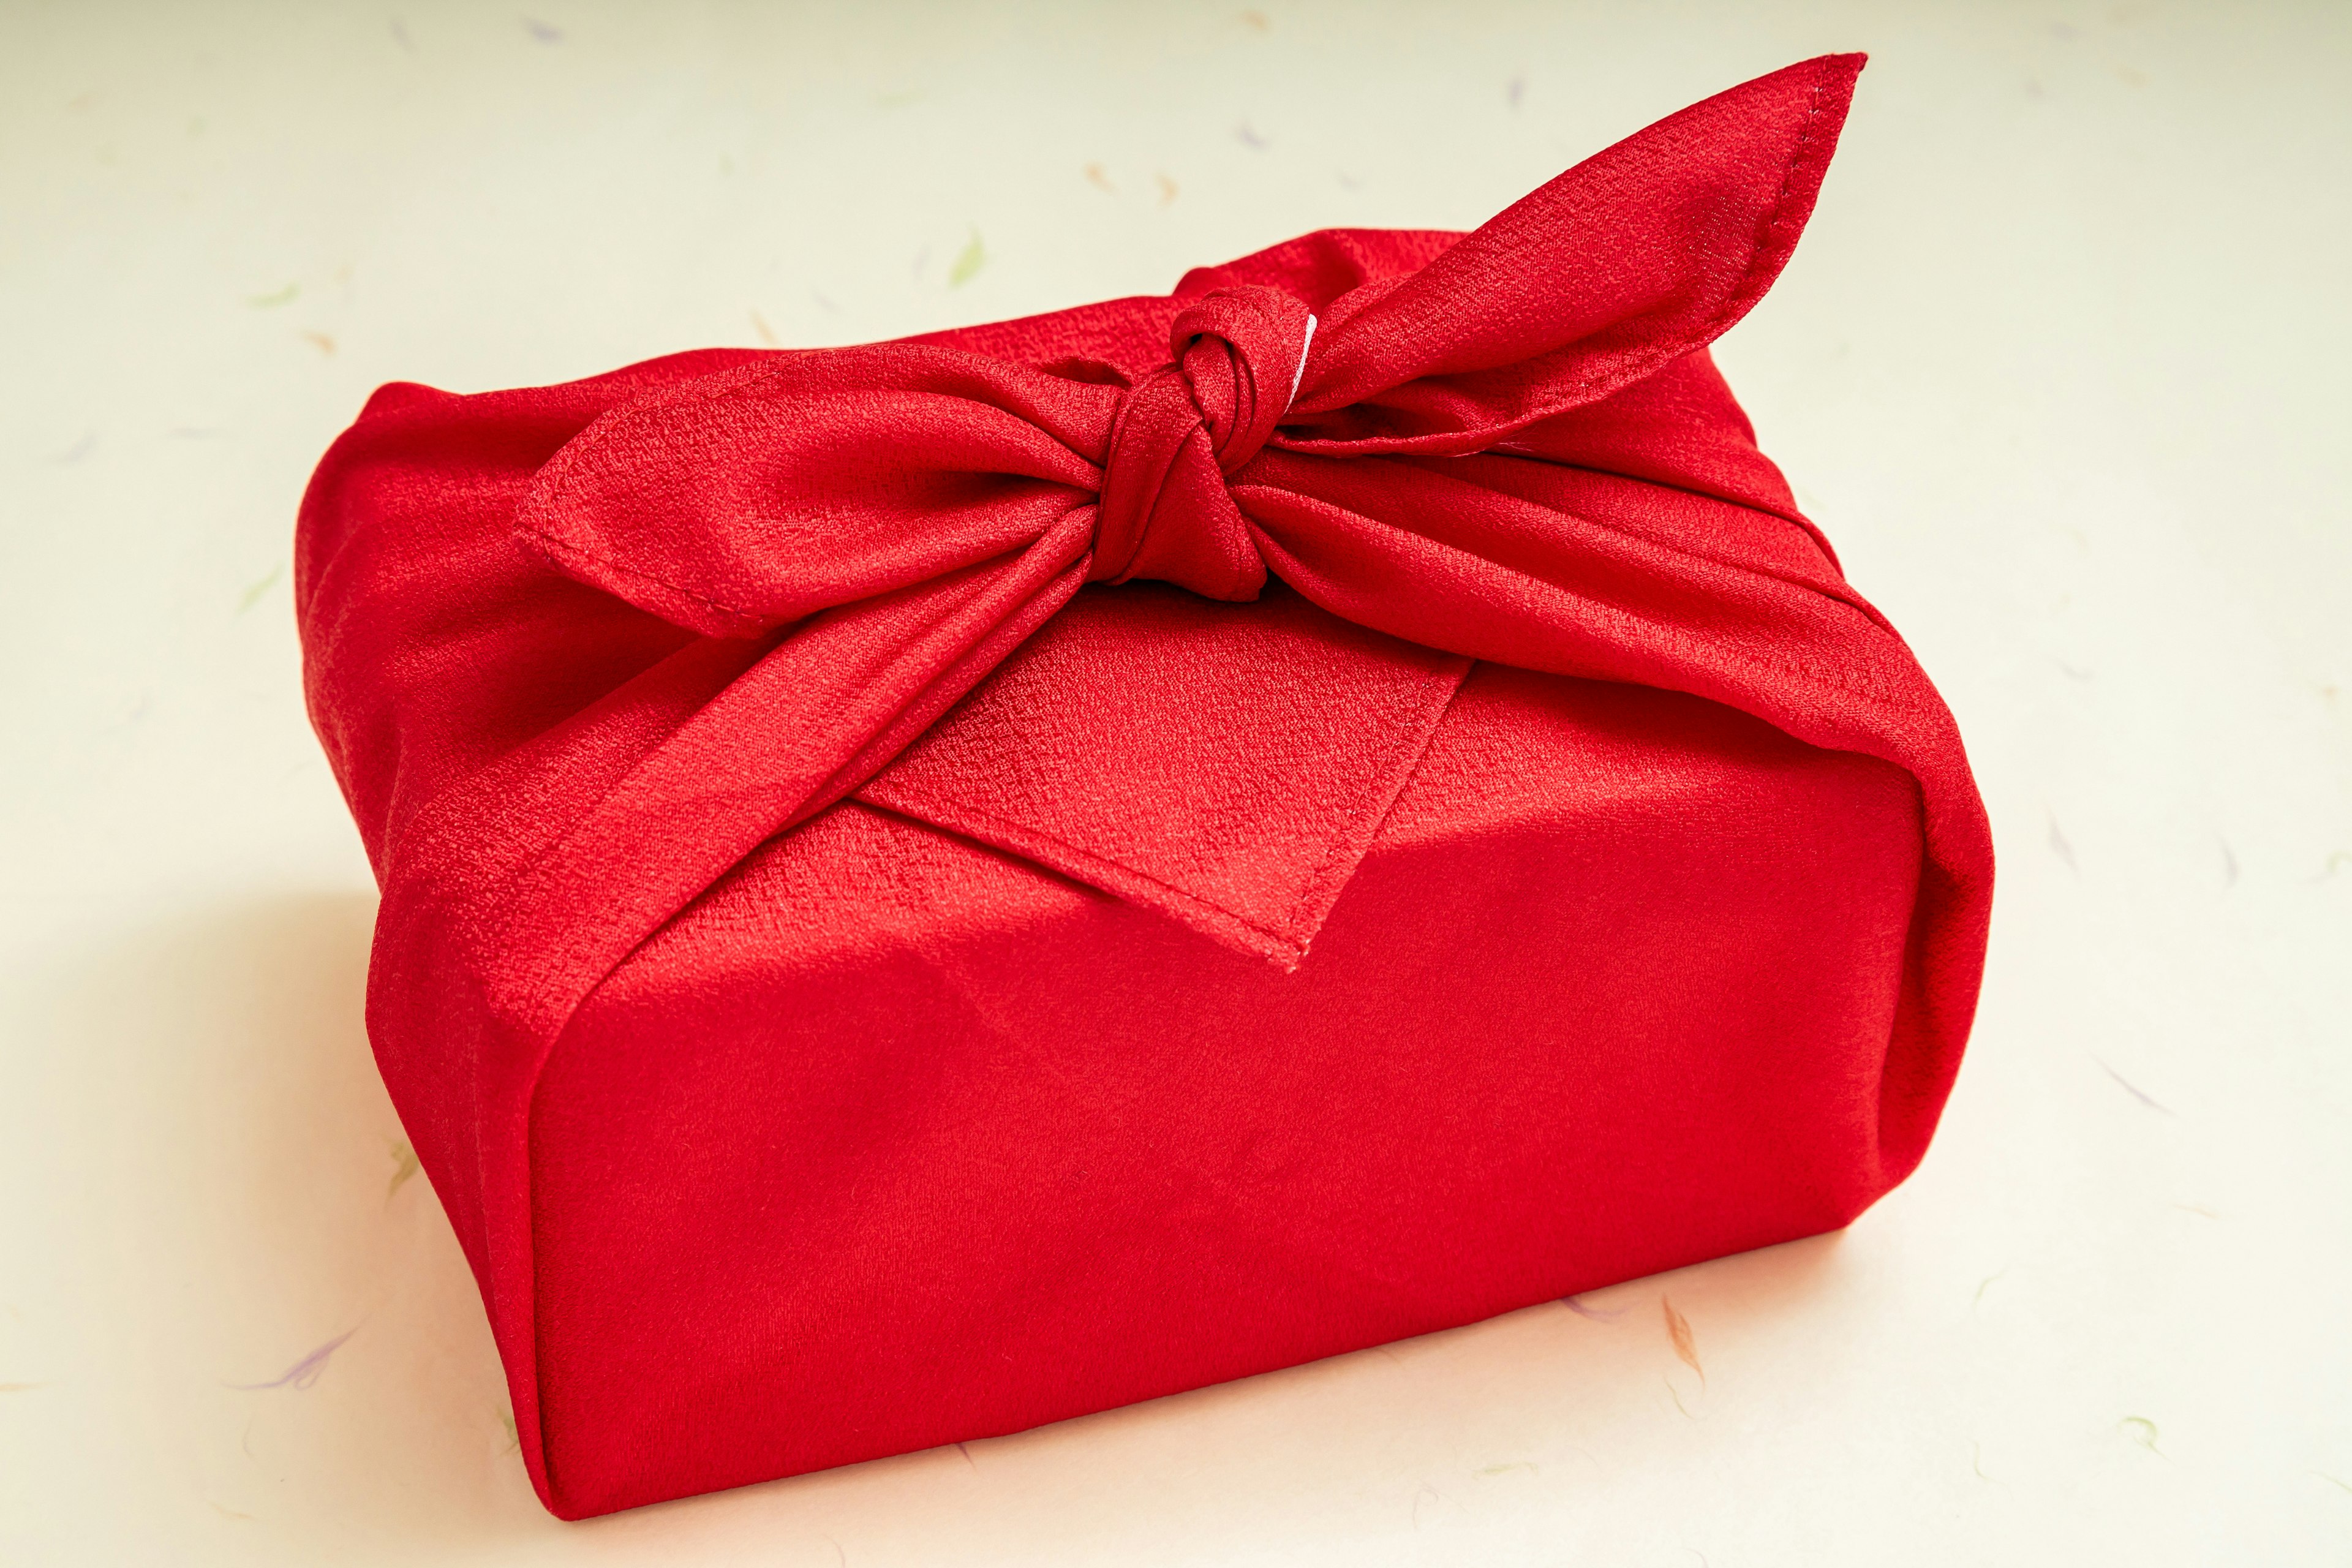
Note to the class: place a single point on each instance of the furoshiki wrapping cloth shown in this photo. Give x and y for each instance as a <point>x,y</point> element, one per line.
<point>940,886</point>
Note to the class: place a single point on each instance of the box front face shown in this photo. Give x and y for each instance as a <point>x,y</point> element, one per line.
<point>813,1183</point>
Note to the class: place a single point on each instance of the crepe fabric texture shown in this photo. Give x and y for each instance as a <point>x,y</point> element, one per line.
<point>940,886</point>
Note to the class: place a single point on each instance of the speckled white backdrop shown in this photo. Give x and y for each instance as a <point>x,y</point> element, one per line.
<point>2061,366</point>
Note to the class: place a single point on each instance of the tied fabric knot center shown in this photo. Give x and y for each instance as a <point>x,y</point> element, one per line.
<point>1237,357</point>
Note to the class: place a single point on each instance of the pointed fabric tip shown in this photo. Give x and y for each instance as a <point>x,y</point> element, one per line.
<point>1639,254</point>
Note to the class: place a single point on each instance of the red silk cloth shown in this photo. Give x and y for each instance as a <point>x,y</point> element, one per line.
<point>752,588</point>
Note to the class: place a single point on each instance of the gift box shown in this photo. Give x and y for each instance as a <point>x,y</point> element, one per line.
<point>937,887</point>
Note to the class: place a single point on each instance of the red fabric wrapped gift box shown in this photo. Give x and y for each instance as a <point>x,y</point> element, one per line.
<point>937,887</point>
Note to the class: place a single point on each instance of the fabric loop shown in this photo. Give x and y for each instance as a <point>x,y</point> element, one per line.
<point>1236,357</point>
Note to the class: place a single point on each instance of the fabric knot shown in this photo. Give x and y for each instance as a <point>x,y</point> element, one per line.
<point>1237,357</point>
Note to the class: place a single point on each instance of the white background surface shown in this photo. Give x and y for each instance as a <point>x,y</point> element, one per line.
<point>2061,366</point>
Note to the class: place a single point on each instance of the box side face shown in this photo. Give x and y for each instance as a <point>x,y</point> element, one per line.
<point>817,1179</point>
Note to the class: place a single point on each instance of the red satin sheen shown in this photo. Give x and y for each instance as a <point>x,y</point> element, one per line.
<point>784,1129</point>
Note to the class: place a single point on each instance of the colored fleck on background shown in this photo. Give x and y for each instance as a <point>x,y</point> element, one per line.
<point>1678,1334</point>
<point>258,589</point>
<point>304,1371</point>
<point>403,1167</point>
<point>2058,366</point>
<point>968,262</point>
